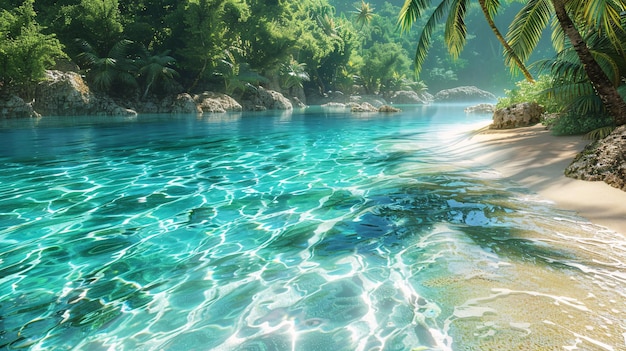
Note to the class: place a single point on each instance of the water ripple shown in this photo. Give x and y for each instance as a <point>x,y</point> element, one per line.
<point>272,233</point>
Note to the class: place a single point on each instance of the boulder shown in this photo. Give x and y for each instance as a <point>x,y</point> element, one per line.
<point>66,94</point>
<point>297,102</point>
<point>216,102</point>
<point>374,100</point>
<point>13,106</point>
<point>481,108</point>
<point>259,99</point>
<point>602,160</point>
<point>364,107</point>
<point>519,115</point>
<point>335,105</point>
<point>185,104</point>
<point>409,97</point>
<point>387,108</point>
<point>464,94</point>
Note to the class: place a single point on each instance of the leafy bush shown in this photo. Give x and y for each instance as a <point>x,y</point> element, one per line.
<point>25,52</point>
<point>573,124</point>
<point>525,91</point>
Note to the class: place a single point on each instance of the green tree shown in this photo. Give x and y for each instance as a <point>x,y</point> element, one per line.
<point>155,70</point>
<point>381,63</point>
<point>25,52</point>
<point>573,17</point>
<point>112,73</point>
<point>293,75</point>
<point>454,13</point>
<point>147,22</point>
<point>363,14</point>
<point>235,73</point>
<point>205,32</point>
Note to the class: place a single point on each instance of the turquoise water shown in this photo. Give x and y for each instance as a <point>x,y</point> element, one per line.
<point>314,230</point>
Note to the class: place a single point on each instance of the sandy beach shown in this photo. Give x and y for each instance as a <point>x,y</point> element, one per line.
<point>534,158</point>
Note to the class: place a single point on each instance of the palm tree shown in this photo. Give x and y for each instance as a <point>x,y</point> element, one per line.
<point>115,67</point>
<point>574,16</point>
<point>293,74</point>
<point>155,68</point>
<point>237,74</point>
<point>364,14</point>
<point>570,85</point>
<point>490,9</point>
<point>455,27</point>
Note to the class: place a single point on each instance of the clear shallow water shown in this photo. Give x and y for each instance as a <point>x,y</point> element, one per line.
<point>293,231</point>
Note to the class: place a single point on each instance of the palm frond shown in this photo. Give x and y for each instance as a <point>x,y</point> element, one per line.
<point>456,30</point>
<point>527,28</point>
<point>120,49</point>
<point>608,65</point>
<point>558,36</point>
<point>588,103</point>
<point>603,15</point>
<point>492,7</point>
<point>411,11</point>
<point>424,41</point>
<point>599,133</point>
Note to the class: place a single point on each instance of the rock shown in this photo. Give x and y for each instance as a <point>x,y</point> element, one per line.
<point>14,107</point>
<point>185,104</point>
<point>373,100</point>
<point>259,98</point>
<point>66,94</point>
<point>518,115</point>
<point>481,108</point>
<point>216,102</point>
<point>364,107</point>
<point>149,107</point>
<point>464,94</point>
<point>296,102</point>
<point>104,106</point>
<point>602,160</point>
<point>335,105</point>
<point>387,108</point>
<point>408,97</point>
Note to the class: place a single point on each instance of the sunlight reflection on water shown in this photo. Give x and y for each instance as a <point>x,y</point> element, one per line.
<point>297,231</point>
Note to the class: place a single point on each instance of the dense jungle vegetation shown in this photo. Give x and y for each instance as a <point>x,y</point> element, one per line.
<point>145,48</point>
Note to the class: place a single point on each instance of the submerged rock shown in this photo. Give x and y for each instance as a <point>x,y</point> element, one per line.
<point>602,160</point>
<point>519,115</point>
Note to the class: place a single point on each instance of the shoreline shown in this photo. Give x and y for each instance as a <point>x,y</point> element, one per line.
<point>534,158</point>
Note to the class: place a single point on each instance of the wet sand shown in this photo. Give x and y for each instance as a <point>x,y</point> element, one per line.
<point>534,158</point>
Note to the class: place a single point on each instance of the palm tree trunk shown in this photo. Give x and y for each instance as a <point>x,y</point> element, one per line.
<point>603,86</point>
<point>504,43</point>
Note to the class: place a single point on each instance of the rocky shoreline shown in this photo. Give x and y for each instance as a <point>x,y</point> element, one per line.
<point>66,94</point>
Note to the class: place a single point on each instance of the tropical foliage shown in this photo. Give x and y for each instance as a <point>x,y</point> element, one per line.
<point>25,49</point>
<point>151,47</point>
<point>142,48</point>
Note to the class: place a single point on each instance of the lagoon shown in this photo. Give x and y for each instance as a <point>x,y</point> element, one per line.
<point>302,230</point>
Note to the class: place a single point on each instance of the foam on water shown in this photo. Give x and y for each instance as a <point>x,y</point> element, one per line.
<point>301,231</point>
